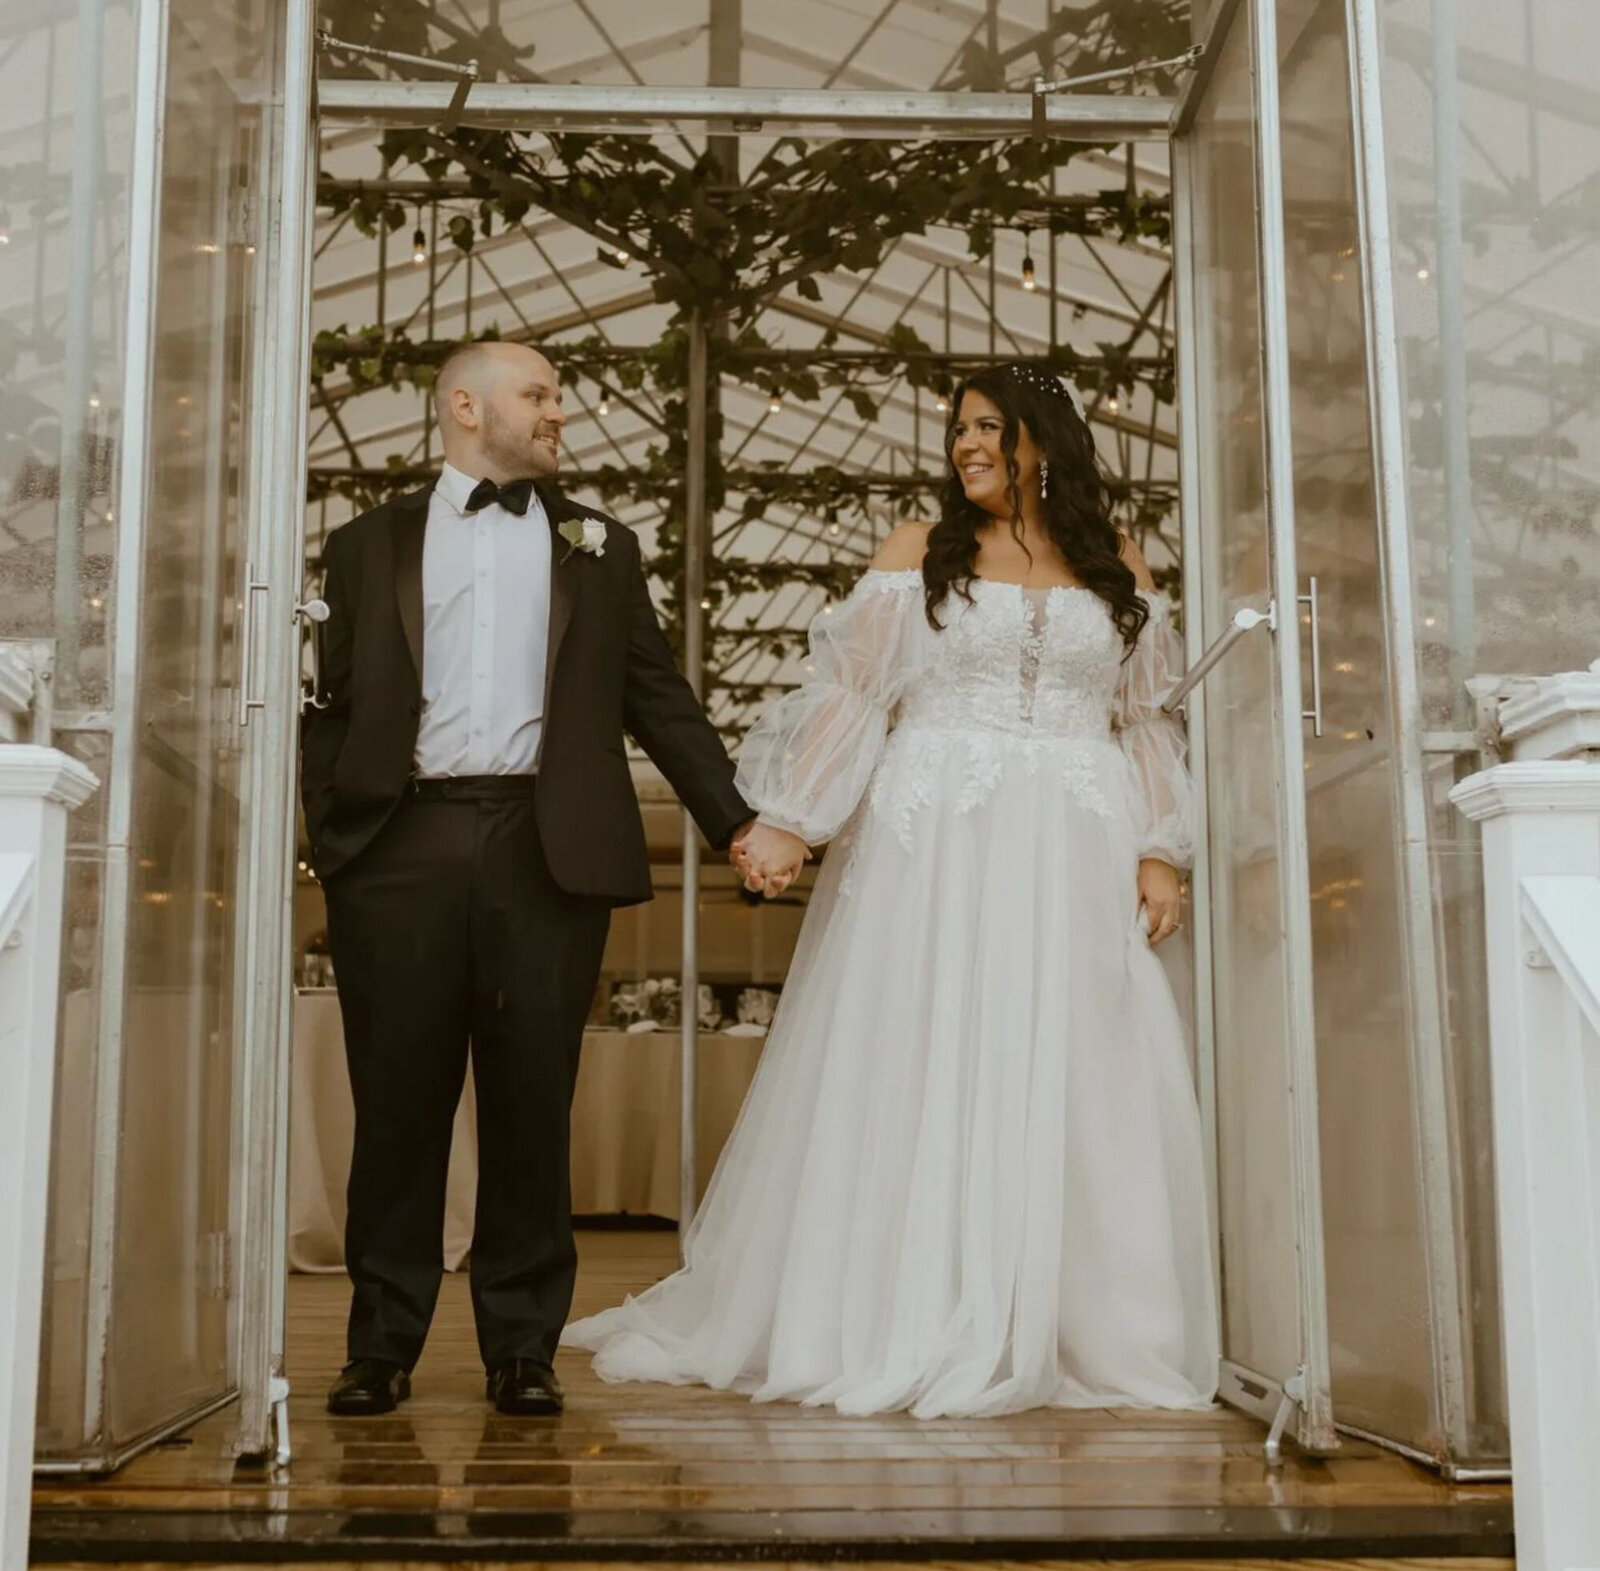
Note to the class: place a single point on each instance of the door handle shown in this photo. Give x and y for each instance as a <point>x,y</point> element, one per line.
<point>312,614</point>
<point>1245,620</point>
<point>254,588</point>
<point>1309,601</point>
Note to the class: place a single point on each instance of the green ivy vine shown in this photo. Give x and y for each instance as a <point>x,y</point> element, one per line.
<point>726,249</point>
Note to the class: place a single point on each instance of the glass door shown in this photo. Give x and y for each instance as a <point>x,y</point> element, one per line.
<point>1259,1067</point>
<point>160,1292</point>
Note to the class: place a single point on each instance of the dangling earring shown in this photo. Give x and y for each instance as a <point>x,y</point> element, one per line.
<point>1044,478</point>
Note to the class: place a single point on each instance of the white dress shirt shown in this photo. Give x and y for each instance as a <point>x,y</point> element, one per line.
<point>485,633</point>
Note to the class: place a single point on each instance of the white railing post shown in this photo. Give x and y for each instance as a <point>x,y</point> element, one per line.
<point>1540,818</point>
<point>38,786</point>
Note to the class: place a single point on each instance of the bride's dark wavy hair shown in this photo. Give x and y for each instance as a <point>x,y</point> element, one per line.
<point>1076,504</point>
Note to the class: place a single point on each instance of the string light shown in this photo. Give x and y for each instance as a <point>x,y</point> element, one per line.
<point>1029,281</point>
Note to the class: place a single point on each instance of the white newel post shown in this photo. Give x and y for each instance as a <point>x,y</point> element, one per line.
<point>1540,817</point>
<point>38,786</point>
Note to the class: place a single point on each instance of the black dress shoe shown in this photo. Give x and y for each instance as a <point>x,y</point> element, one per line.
<point>366,1386</point>
<point>525,1388</point>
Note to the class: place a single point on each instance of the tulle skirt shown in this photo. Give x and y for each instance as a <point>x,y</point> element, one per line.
<point>968,1178</point>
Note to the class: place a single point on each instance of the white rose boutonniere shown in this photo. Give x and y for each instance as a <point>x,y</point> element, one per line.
<point>583,534</point>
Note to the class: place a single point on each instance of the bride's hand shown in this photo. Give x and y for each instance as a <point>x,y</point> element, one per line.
<point>1160,897</point>
<point>769,859</point>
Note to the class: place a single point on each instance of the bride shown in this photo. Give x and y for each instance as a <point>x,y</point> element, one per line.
<point>968,1176</point>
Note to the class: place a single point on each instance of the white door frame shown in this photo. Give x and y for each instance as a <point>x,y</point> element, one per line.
<point>266,931</point>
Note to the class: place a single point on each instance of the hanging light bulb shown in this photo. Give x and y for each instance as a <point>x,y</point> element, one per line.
<point>5,226</point>
<point>603,408</point>
<point>419,242</point>
<point>775,403</point>
<point>1111,403</point>
<point>1422,273</point>
<point>831,513</point>
<point>1029,281</point>
<point>942,404</point>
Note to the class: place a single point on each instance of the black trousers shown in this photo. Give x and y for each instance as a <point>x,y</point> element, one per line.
<point>448,932</point>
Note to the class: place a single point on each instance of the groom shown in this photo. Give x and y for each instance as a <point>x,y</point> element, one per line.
<point>473,821</point>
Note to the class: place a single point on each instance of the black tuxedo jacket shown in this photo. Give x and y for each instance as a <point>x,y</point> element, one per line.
<point>610,670</point>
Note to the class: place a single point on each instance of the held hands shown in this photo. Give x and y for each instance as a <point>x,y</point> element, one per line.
<point>769,859</point>
<point>1160,898</point>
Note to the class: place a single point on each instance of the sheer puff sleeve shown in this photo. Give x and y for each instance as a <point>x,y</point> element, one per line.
<point>805,764</point>
<point>1154,744</point>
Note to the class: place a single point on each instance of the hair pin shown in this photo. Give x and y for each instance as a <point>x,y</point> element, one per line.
<point>1041,381</point>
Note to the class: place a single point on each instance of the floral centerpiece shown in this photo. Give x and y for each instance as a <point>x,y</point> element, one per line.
<point>656,1000</point>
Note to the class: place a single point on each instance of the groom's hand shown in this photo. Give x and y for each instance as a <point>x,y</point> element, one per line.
<point>768,858</point>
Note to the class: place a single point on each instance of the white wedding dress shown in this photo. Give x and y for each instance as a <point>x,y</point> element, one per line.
<point>968,1177</point>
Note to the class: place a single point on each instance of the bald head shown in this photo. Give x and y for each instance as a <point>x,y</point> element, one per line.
<point>499,411</point>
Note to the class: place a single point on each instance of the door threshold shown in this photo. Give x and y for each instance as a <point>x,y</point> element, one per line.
<point>1229,1534</point>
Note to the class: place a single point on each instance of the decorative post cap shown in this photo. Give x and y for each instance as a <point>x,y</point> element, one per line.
<point>1547,785</point>
<point>46,774</point>
<point>1554,717</point>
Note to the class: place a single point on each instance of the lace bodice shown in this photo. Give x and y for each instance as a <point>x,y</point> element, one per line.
<point>1029,662</point>
<point>1014,672</point>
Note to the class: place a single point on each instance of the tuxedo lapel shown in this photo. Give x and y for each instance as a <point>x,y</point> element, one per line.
<point>563,582</point>
<point>410,528</point>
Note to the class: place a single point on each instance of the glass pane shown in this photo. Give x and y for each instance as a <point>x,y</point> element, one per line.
<point>1497,111</point>
<point>65,90</point>
<point>1376,1261</point>
<point>1496,259</point>
<point>869,45</point>
<point>1259,1235</point>
<point>169,1321</point>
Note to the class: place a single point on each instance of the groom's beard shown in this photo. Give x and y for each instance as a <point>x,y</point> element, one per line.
<point>514,451</point>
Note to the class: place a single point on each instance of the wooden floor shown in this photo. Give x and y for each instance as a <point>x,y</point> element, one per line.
<point>683,1473</point>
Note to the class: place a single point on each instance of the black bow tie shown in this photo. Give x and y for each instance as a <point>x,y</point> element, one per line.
<point>512,496</point>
